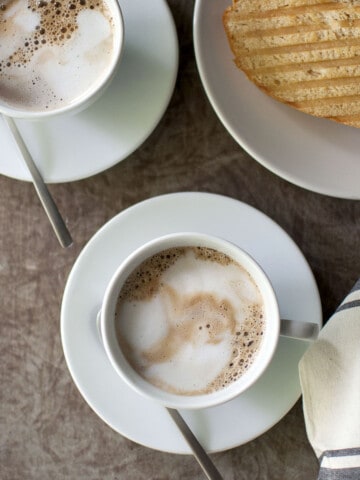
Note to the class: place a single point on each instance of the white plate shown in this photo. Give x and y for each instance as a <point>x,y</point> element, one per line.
<point>74,147</point>
<point>317,154</point>
<point>218,428</point>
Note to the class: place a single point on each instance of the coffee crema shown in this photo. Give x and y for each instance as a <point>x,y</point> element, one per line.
<point>190,320</point>
<point>52,51</point>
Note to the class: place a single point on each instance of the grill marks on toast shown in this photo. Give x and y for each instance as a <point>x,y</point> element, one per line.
<point>304,53</point>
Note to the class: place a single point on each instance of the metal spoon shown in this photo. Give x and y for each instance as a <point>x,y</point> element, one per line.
<point>46,199</point>
<point>199,453</point>
<point>300,330</point>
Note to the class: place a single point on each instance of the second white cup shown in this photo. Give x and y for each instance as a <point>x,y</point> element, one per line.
<point>57,57</point>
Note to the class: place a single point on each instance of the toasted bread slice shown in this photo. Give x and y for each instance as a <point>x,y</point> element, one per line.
<point>305,53</point>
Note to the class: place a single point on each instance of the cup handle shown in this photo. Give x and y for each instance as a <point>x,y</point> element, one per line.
<point>299,330</point>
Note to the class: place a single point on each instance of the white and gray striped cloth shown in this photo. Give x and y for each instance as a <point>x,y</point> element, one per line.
<point>330,382</point>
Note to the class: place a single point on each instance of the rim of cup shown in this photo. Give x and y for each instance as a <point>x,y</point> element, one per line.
<point>91,94</point>
<point>137,382</point>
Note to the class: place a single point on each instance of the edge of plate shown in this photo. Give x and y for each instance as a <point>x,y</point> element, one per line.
<point>249,149</point>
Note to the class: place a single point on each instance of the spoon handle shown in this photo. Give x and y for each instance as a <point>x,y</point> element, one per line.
<point>46,199</point>
<point>199,453</point>
<point>300,330</point>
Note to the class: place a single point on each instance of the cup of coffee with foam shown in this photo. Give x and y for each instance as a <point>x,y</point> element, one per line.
<point>57,56</point>
<point>190,320</point>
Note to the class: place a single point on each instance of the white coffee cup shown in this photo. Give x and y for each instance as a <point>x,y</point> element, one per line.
<point>142,385</point>
<point>93,33</point>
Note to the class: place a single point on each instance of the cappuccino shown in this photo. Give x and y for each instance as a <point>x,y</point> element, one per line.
<point>190,320</point>
<point>53,51</point>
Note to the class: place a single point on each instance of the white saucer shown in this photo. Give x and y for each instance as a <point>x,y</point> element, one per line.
<point>140,420</point>
<point>317,154</point>
<point>78,146</point>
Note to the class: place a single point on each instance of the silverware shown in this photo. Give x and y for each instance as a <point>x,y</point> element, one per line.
<point>46,199</point>
<point>198,451</point>
<point>300,330</point>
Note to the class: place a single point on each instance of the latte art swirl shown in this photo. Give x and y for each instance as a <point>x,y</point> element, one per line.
<point>190,320</point>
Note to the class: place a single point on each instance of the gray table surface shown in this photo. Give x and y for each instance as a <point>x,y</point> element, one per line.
<point>47,431</point>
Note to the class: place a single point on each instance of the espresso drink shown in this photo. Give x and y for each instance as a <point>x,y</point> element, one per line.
<point>190,320</point>
<point>53,51</point>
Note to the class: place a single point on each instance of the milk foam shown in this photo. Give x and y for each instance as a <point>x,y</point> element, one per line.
<point>52,51</point>
<point>190,320</point>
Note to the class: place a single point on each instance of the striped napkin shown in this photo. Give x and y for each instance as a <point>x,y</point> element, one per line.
<point>330,382</point>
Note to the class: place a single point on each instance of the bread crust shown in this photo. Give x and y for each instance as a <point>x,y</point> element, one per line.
<point>304,53</point>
